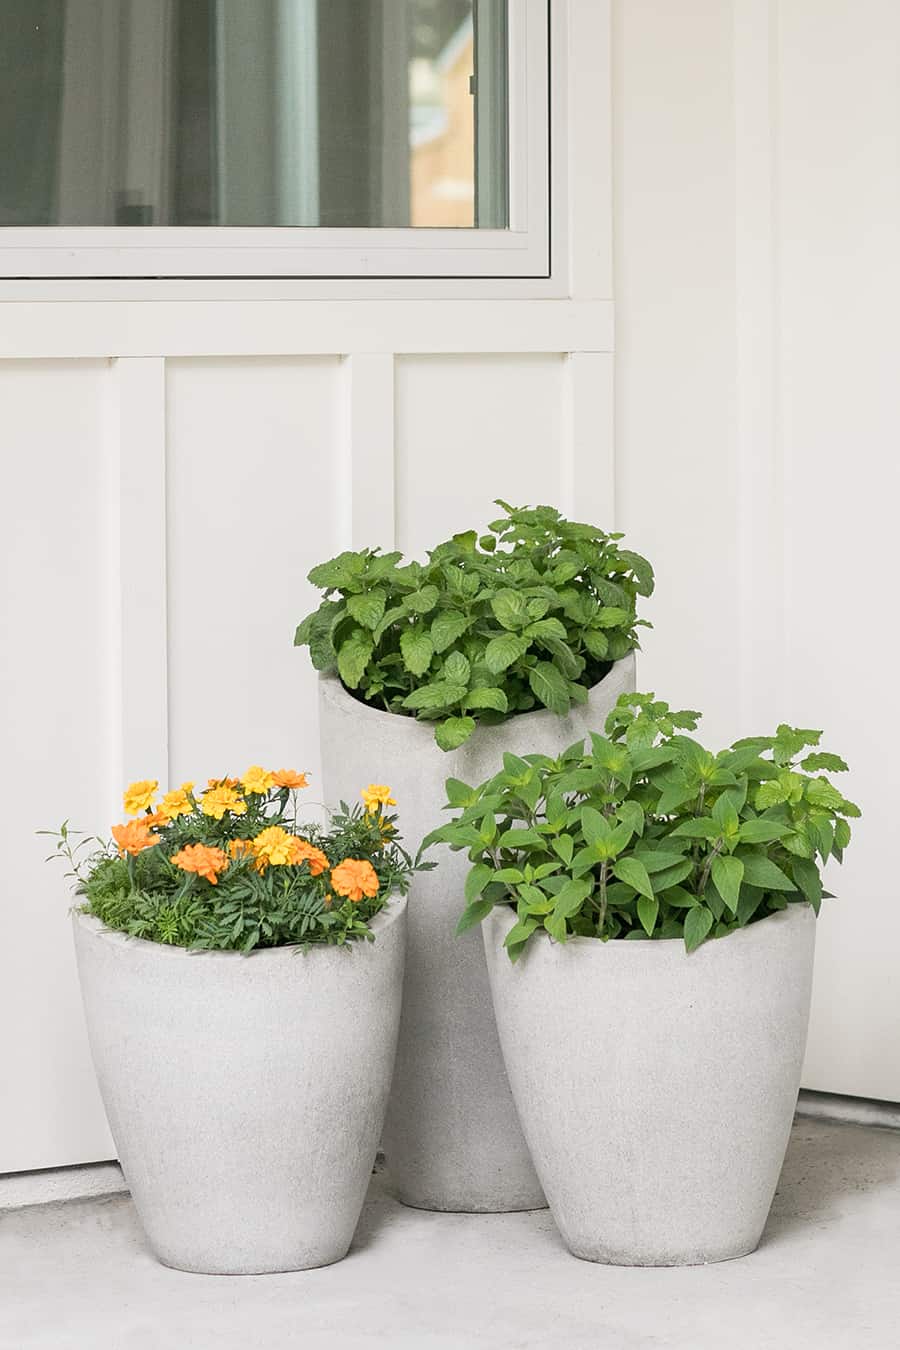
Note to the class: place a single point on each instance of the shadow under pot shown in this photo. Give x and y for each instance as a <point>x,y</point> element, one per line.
<point>245,1094</point>
<point>656,1088</point>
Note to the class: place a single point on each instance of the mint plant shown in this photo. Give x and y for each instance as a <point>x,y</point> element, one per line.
<point>530,614</point>
<point>647,834</point>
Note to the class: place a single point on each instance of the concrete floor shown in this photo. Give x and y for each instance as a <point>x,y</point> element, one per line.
<point>826,1276</point>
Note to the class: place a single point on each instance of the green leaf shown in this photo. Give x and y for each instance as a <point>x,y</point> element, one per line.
<point>725,815</point>
<point>596,642</point>
<point>447,626</point>
<point>610,616</point>
<point>555,925</point>
<point>672,875</point>
<point>563,847</point>
<point>634,874</point>
<point>758,831</point>
<point>647,912</point>
<point>702,828</point>
<point>424,600</point>
<point>822,760</point>
<point>456,669</point>
<point>459,794</point>
<point>549,685</point>
<point>518,838</point>
<point>698,921</point>
<point>474,913</point>
<point>501,652</point>
<point>807,877</point>
<point>454,732</point>
<point>417,650</point>
<point>510,609</point>
<point>367,608</point>
<point>728,873</point>
<point>433,697</point>
<point>571,897</point>
<point>520,933</point>
<point>762,872</point>
<point>658,859</point>
<point>487,698</point>
<point>353,657</point>
<point>337,572</point>
<point>478,877</point>
<point>595,827</point>
<point>546,628</point>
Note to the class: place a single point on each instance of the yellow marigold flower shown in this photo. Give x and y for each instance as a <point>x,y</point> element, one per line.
<point>375,796</point>
<point>139,796</point>
<point>218,800</point>
<point>257,780</point>
<point>288,778</point>
<point>303,851</point>
<point>273,845</point>
<point>206,862</point>
<point>134,837</point>
<point>177,803</point>
<point>354,878</point>
<point>222,782</point>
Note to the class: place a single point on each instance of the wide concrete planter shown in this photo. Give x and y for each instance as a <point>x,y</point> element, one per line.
<point>245,1094</point>
<point>452,1139</point>
<point>656,1089</point>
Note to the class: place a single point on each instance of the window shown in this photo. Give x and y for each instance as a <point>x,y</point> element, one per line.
<point>274,137</point>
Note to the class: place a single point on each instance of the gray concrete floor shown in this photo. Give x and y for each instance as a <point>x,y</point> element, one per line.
<point>826,1276</point>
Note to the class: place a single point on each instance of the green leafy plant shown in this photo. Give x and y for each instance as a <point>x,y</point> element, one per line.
<point>530,614</point>
<point>647,834</point>
<point>229,868</point>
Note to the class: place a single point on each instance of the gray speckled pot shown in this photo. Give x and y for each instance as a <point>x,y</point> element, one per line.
<point>452,1139</point>
<point>245,1093</point>
<point>656,1089</point>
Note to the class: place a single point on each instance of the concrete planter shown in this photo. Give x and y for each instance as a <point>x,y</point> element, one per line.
<point>452,1139</point>
<point>656,1089</point>
<point>245,1093</point>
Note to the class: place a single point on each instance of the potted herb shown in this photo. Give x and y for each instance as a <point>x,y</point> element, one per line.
<point>241,978</point>
<point>522,637</point>
<point>656,1070</point>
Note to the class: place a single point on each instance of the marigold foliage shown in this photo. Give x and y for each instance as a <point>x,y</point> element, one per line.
<point>227,871</point>
<point>644,833</point>
<point>530,614</point>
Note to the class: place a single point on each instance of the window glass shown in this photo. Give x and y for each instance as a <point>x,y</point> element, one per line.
<point>340,113</point>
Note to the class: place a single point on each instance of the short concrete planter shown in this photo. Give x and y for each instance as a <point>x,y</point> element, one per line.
<point>452,1139</point>
<point>245,1094</point>
<point>656,1089</point>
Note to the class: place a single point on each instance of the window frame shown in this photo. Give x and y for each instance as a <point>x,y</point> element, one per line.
<point>523,250</point>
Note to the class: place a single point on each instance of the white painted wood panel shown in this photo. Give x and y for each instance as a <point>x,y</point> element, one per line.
<point>57,740</point>
<point>255,490</point>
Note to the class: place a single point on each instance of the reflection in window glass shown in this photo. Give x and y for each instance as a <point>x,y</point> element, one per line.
<point>253,112</point>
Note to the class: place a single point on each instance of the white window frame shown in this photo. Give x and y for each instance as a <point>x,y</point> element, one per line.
<point>522,250</point>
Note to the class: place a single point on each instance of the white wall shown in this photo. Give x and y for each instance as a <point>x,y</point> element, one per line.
<point>757,214</point>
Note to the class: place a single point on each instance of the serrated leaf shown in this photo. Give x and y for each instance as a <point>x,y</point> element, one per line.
<point>596,642</point>
<point>423,601</point>
<point>454,732</point>
<point>487,698</point>
<point>501,652</point>
<point>416,649</point>
<point>634,874</point>
<point>546,628</point>
<point>446,627</point>
<point>353,657</point>
<point>728,873</point>
<point>456,669</point>
<point>823,760</point>
<point>367,608</point>
<point>510,609</point>
<point>611,616</point>
<point>698,921</point>
<point>549,685</point>
<point>433,697</point>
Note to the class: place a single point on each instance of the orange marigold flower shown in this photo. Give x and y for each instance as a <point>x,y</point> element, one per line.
<point>288,778</point>
<point>375,796</point>
<point>354,878</point>
<point>134,837</point>
<point>303,851</point>
<point>222,782</point>
<point>156,821</point>
<point>177,803</point>
<point>257,780</point>
<point>206,862</point>
<point>238,847</point>
<point>218,800</point>
<point>273,845</point>
<point>138,796</point>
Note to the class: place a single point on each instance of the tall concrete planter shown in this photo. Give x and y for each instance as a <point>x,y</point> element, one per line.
<point>452,1139</point>
<point>245,1094</point>
<point>656,1089</point>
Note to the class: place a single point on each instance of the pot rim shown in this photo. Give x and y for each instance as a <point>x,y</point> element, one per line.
<point>333,687</point>
<point>664,945</point>
<point>382,922</point>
